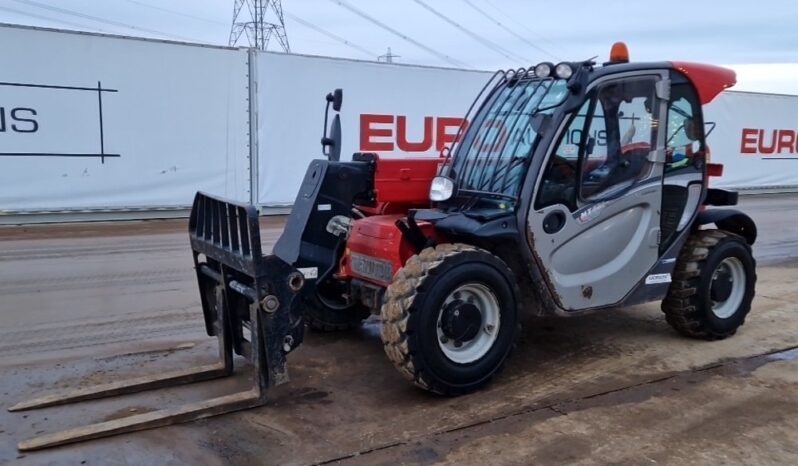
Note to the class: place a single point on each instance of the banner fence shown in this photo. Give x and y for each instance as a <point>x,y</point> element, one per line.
<point>92,122</point>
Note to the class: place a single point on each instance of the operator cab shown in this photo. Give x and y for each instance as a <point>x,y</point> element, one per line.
<point>600,168</point>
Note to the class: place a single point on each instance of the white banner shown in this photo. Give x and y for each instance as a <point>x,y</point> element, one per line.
<point>389,109</point>
<point>89,122</point>
<point>406,110</point>
<point>92,122</point>
<point>756,139</point>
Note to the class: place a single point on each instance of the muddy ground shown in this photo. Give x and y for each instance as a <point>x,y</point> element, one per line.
<point>85,304</point>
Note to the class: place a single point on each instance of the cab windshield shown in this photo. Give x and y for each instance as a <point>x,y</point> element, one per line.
<point>490,162</point>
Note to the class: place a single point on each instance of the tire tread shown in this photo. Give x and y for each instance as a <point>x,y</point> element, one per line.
<point>397,307</point>
<point>682,305</point>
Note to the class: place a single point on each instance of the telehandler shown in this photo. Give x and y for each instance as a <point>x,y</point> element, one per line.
<point>571,188</point>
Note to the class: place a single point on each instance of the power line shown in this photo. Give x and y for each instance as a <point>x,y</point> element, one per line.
<point>487,43</point>
<point>66,11</point>
<point>498,23</point>
<point>519,23</point>
<point>329,34</point>
<point>55,20</point>
<point>178,13</point>
<point>299,20</point>
<point>393,31</point>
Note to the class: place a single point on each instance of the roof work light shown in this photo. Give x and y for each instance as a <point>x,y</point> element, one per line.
<point>543,70</point>
<point>564,70</point>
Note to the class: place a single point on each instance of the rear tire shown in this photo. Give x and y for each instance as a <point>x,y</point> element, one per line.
<point>713,286</point>
<point>325,312</point>
<point>450,318</point>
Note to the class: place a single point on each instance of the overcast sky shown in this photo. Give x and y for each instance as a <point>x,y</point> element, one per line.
<point>482,34</point>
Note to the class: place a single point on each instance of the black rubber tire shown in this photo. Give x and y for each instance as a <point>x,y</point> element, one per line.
<point>410,312</point>
<point>323,317</point>
<point>688,306</point>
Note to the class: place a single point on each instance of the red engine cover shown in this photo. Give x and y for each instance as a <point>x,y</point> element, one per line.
<point>405,180</point>
<point>376,249</point>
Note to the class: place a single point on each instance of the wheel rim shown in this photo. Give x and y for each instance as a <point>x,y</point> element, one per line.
<point>462,301</point>
<point>728,287</point>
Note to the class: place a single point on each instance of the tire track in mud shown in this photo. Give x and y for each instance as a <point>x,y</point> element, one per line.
<point>80,334</point>
<point>563,404</point>
<point>130,266</point>
<point>66,251</point>
<point>178,245</point>
<point>95,280</point>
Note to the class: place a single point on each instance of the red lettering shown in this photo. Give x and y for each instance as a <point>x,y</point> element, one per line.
<point>368,132</point>
<point>376,137</point>
<point>442,137</point>
<point>748,142</point>
<point>407,146</point>
<point>786,141</point>
<point>764,149</point>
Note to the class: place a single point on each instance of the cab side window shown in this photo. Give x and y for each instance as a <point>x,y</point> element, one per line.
<point>625,113</point>
<point>605,148</point>
<point>683,139</point>
<point>558,184</point>
<point>684,157</point>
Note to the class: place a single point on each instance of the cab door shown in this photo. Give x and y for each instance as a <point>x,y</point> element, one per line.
<point>595,218</point>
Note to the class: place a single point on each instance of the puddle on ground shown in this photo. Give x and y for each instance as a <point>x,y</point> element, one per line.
<point>786,355</point>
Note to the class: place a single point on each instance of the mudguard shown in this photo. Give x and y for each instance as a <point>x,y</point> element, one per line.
<point>730,220</point>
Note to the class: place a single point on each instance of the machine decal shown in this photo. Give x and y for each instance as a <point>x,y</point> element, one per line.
<point>372,267</point>
<point>590,213</point>
<point>657,278</point>
<point>309,272</point>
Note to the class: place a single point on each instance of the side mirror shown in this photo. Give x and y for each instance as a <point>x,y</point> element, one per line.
<point>336,97</point>
<point>331,146</point>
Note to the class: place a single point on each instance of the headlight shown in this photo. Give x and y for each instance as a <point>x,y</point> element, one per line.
<point>441,189</point>
<point>564,70</point>
<point>543,70</point>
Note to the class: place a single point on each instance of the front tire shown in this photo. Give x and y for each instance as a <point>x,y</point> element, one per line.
<point>713,286</point>
<point>450,318</point>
